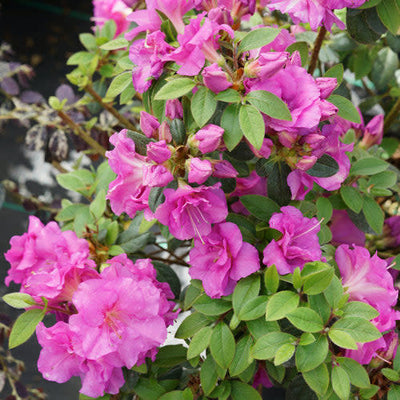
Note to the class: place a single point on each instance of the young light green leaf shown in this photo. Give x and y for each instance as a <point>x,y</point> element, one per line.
<point>19,300</point>
<point>346,108</point>
<point>258,38</point>
<point>24,327</point>
<point>311,356</point>
<point>119,84</point>
<point>203,105</point>
<point>208,306</point>
<point>230,122</point>
<point>98,205</point>
<point>269,104</point>
<point>266,346</point>
<point>284,353</point>
<point>191,325</point>
<point>246,289</point>
<point>222,345</point>
<point>318,379</point>
<point>280,304</point>
<point>361,330</point>
<point>360,309</point>
<point>391,374</point>
<point>342,339</point>
<point>317,276</point>
<point>389,14</point>
<point>175,88</point>
<point>118,43</point>
<point>324,209</point>
<point>335,72</point>
<point>340,382</point>
<point>253,309</point>
<point>356,372</point>
<point>271,279</point>
<point>394,393</point>
<point>306,319</point>
<point>200,342</point>
<point>229,96</point>
<point>252,125</point>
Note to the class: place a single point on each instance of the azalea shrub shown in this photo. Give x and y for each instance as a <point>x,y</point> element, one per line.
<point>241,203</point>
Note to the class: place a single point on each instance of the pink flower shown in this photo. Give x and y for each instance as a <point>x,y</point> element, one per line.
<point>221,259</point>
<point>149,124</point>
<point>189,212</point>
<point>215,78</point>
<point>299,242</point>
<point>315,12</point>
<point>391,232</point>
<point>48,262</point>
<point>148,55</point>
<point>117,10</point>
<point>174,10</point>
<point>158,151</point>
<point>373,132</point>
<point>199,170</point>
<point>261,378</point>
<point>198,43</point>
<point>223,169</point>
<point>173,109</point>
<point>209,138</point>
<point>367,279</point>
<point>266,65</point>
<point>136,174</point>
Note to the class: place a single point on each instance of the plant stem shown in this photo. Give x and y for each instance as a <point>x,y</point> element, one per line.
<point>393,114</point>
<point>317,48</point>
<point>82,134</point>
<point>124,121</point>
<point>183,263</point>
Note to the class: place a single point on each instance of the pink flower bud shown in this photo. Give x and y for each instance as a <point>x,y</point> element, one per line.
<point>173,109</point>
<point>224,169</point>
<point>373,132</point>
<point>149,124</point>
<point>158,151</point>
<point>199,170</point>
<point>164,132</point>
<point>209,138</point>
<point>215,78</point>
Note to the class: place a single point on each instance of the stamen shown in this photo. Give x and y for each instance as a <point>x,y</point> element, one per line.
<point>308,230</point>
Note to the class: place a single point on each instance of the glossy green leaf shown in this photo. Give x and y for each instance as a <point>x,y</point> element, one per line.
<point>346,108</point>
<point>269,104</point>
<point>230,123</point>
<point>199,342</point>
<point>260,206</point>
<point>252,125</point>
<point>306,319</point>
<point>281,304</point>
<point>318,379</point>
<point>222,345</point>
<point>311,356</point>
<point>266,346</point>
<point>203,105</point>
<point>242,358</point>
<point>352,197</point>
<point>258,38</point>
<point>340,382</point>
<point>175,88</point>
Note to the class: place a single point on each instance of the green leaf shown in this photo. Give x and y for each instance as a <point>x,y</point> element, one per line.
<point>191,295</point>
<point>229,96</point>
<point>208,306</point>
<point>324,209</point>
<point>335,72</point>
<point>24,327</point>
<point>368,166</point>
<point>266,346</point>
<point>175,88</point>
<point>260,206</point>
<point>118,43</point>
<point>203,105</point>
<point>385,65</point>
<point>342,339</point>
<point>148,389</point>
<point>360,309</point>
<point>109,29</point>
<point>119,84</point>
<point>246,290</point>
<point>81,57</point>
<point>269,104</point>
<point>252,124</point>
<point>340,382</point>
<point>311,356</point>
<point>242,358</point>
<point>171,355</point>
<point>317,276</point>
<point>166,274</point>
<point>391,374</point>
<point>200,342</point>
<point>88,40</point>
<point>302,48</point>
<point>306,319</point>
<point>324,167</point>
<point>98,206</point>
<point>318,379</point>
<point>230,123</point>
<point>394,393</point>
<point>277,187</point>
<point>334,292</point>
<point>271,279</point>
<point>370,3</point>
<point>371,392</point>
<point>359,329</point>
<point>241,391</point>
<point>306,338</point>
<point>258,38</point>
<point>373,214</point>
<point>260,327</point>
<point>284,353</point>
<point>191,325</point>
<point>222,345</point>
<point>208,375</point>
<point>346,108</point>
<point>281,304</point>
<point>78,181</point>
<point>177,395</point>
<point>356,372</point>
<point>352,197</point>
<point>319,304</point>
<point>386,179</point>
<point>253,309</point>
<point>19,300</point>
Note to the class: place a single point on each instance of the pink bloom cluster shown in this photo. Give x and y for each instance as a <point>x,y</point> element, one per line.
<point>121,318</point>
<point>48,262</point>
<point>367,279</point>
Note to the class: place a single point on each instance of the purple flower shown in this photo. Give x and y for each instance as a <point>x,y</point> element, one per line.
<point>223,169</point>
<point>299,242</point>
<point>266,65</point>
<point>117,10</point>
<point>215,78</point>
<point>221,259</point>
<point>173,109</point>
<point>158,151</point>
<point>344,231</point>
<point>189,212</point>
<point>149,124</point>
<point>209,138</point>
<point>373,132</point>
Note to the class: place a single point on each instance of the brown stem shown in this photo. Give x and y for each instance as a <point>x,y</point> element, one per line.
<point>59,167</point>
<point>393,114</point>
<point>124,121</point>
<point>317,48</point>
<point>166,261</point>
<point>82,134</point>
<point>181,259</point>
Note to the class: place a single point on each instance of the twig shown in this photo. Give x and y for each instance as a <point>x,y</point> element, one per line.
<point>59,167</point>
<point>171,253</point>
<point>393,114</point>
<point>167,261</point>
<point>124,121</point>
<point>82,134</point>
<point>317,48</point>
